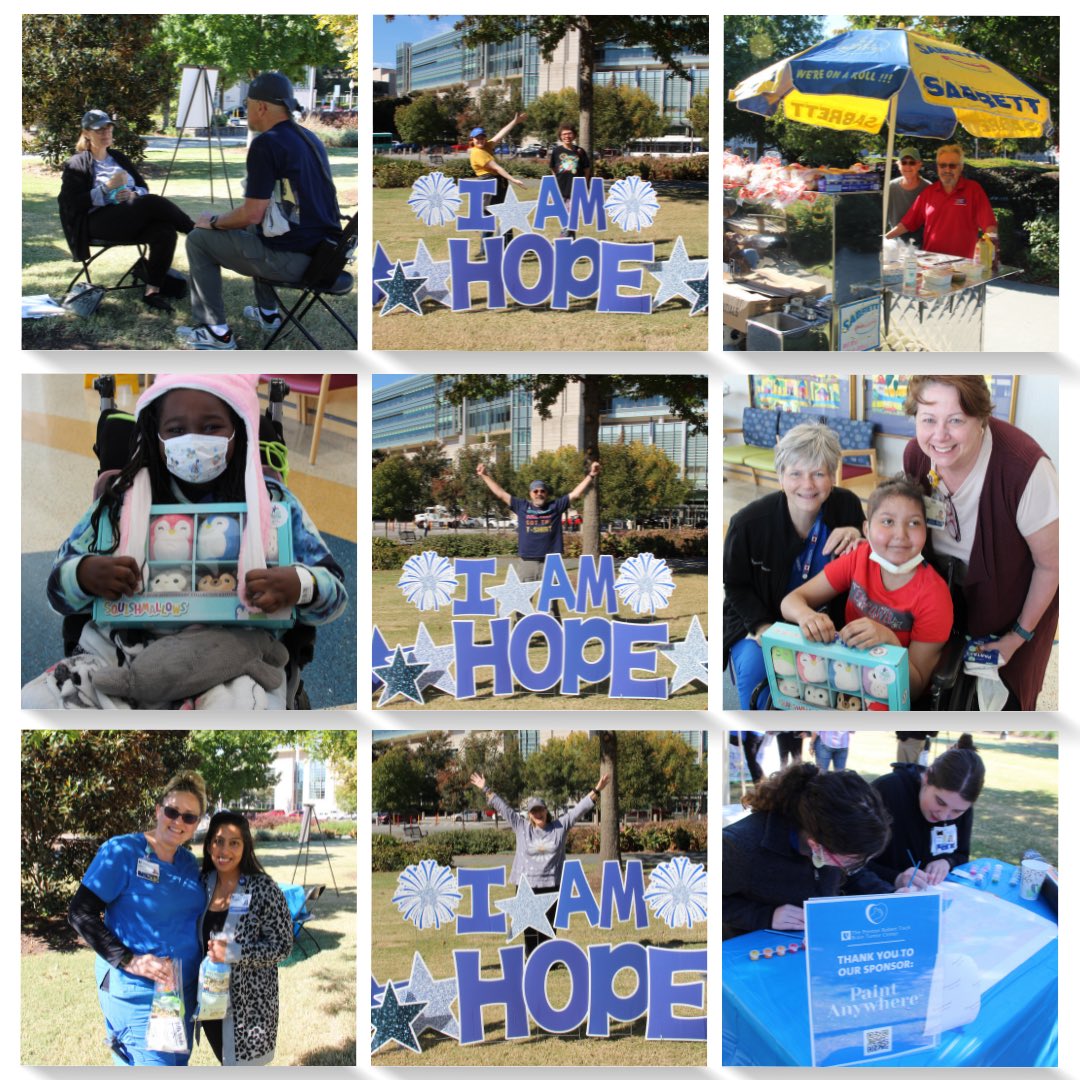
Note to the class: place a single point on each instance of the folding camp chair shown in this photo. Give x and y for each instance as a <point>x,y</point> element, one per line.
<point>325,276</point>
<point>102,248</point>
<point>304,916</point>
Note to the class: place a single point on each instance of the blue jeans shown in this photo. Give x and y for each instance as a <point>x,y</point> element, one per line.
<point>747,666</point>
<point>824,754</point>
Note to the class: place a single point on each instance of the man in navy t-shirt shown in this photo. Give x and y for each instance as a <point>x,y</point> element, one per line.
<point>288,165</point>
<point>539,521</point>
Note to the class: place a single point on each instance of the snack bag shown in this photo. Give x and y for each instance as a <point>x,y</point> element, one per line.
<point>214,981</point>
<point>166,1031</point>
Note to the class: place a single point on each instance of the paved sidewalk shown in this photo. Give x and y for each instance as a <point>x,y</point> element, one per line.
<point>1021,318</point>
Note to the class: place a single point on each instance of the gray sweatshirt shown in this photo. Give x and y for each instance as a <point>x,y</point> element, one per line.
<point>540,853</point>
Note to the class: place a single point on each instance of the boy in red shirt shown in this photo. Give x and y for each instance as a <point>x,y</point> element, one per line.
<point>894,598</point>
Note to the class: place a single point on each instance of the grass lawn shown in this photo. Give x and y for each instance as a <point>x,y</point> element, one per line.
<point>1018,807</point>
<point>398,940</point>
<point>62,1023</point>
<point>398,621</point>
<point>122,322</point>
<point>682,213</point>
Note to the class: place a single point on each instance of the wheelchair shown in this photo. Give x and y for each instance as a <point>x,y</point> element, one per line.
<point>112,447</point>
<point>950,688</point>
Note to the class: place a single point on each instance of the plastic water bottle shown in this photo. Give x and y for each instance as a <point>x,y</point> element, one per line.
<point>911,270</point>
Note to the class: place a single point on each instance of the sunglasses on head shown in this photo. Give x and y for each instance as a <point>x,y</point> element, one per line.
<point>172,814</point>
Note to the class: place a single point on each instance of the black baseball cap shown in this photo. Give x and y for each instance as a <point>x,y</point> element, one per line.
<point>95,120</point>
<point>274,87</point>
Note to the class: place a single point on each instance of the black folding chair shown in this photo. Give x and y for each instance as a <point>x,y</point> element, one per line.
<point>306,914</point>
<point>325,276</point>
<point>102,248</point>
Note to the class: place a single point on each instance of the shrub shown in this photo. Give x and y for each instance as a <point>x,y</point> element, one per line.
<point>472,546</point>
<point>681,838</point>
<point>397,174</point>
<point>441,847</point>
<point>388,854</point>
<point>1043,261</point>
<point>486,841</point>
<point>387,554</point>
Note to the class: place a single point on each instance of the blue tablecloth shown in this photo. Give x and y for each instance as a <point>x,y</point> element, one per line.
<point>766,1014</point>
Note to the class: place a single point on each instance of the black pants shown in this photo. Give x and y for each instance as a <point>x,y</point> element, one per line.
<point>789,743</point>
<point>751,744</point>
<point>533,937</point>
<point>501,185</point>
<point>149,220</point>
<point>213,1030</point>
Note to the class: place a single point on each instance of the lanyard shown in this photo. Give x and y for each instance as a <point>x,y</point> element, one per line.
<point>811,546</point>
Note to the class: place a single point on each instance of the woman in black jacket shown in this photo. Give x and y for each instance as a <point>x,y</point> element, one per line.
<point>779,542</point>
<point>810,834</point>
<point>103,200</point>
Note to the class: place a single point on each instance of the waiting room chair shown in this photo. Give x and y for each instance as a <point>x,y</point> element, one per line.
<point>319,387</point>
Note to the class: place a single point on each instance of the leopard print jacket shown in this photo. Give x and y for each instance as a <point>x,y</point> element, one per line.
<point>264,937</point>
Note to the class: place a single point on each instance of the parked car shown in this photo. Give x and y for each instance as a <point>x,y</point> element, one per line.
<point>468,815</point>
<point>458,147</point>
<point>505,151</point>
<point>533,151</point>
<point>380,817</point>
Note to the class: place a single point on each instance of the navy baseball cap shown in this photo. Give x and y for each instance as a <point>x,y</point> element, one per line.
<point>95,120</point>
<point>274,87</point>
<point>476,133</point>
<point>537,484</point>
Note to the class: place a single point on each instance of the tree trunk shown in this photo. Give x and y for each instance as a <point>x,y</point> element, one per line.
<point>585,85</point>
<point>592,399</point>
<point>609,799</point>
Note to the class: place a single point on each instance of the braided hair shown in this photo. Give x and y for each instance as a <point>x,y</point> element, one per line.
<point>840,810</point>
<point>146,454</point>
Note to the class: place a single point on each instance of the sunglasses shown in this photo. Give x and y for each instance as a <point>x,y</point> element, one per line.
<point>908,161</point>
<point>172,814</point>
<point>948,164</point>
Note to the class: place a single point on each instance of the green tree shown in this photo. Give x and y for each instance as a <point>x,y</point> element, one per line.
<point>686,397</point>
<point>697,116</point>
<point>547,772</point>
<point>432,755</point>
<point>429,463</point>
<point>622,113</point>
<point>751,43</point>
<point>676,762</point>
<point>666,36</point>
<point>582,764</point>
<point>641,787</point>
<point>638,481</point>
<point>346,32</point>
<point>395,783</point>
<point>560,469</point>
<point>79,787</point>
<point>234,763</point>
<point>243,45</point>
<point>493,108</point>
<point>455,102</point>
<point>551,110</point>
<point>396,492</point>
<point>465,490</point>
<point>423,122</point>
<point>72,63</point>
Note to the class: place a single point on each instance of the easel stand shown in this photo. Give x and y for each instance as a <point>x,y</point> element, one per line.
<point>305,845</point>
<point>201,93</point>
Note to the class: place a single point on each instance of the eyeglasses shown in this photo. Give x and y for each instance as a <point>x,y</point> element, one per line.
<point>847,868</point>
<point>948,164</point>
<point>539,491</point>
<point>172,814</point>
<point>952,520</point>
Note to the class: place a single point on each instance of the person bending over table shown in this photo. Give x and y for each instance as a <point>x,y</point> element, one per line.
<point>810,834</point>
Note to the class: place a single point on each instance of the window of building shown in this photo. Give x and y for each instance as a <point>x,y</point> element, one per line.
<point>317,779</point>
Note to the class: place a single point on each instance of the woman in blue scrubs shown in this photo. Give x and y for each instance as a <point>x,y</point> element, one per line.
<point>147,887</point>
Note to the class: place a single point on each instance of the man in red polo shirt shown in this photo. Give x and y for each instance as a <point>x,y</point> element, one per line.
<point>951,211</point>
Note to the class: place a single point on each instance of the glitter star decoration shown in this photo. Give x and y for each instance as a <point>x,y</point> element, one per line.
<point>435,275</point>
<point>631,204</point>
<point>644,583</point>
<point>427,894</point>
<point>380,267</point>
<point>438,995</point>
<point>678,892</point>
<point>400,678</point>
<point>701,287</point>
<point>435,199</point>
<point>401,292</point>
<point>514,594</point>
<point>527,909</point>
<point>438,659</point>
<point>675,273</point>
<point>690,657</point>
<point>511,213</point>
<point>428,580</point>
<point>381,654</point>
<point>392,1021</point>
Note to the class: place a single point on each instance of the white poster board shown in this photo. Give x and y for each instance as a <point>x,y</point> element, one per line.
<point>196,104</point>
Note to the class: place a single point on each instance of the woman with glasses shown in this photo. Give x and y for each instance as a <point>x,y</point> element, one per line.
<point>248,926</point>
<point>931,812</point>
<point>992,504</point>
<point>810,834</point>
<point>137,908</point>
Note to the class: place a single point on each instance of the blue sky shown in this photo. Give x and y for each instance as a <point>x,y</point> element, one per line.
<point>379,381</point>
<point>388,35</point>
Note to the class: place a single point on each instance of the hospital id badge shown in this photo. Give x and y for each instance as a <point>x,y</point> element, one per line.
<point>935,511</point>
<point>148,870</point>
<point>239,903</point>
<point>943,840</point>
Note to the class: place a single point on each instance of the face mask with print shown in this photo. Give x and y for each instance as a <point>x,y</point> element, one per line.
<point>197,459</point>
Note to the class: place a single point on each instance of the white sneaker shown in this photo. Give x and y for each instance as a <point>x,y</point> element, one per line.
<point>200,337</point>
<point>255,315</point>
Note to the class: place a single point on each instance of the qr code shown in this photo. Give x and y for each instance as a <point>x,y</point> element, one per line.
<point>877,1041</point>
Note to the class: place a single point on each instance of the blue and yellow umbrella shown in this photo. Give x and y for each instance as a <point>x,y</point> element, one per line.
<point>923,87</point>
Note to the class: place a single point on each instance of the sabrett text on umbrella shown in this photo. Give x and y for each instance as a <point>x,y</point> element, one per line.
<point>934,87</point>
<point>822,114</point>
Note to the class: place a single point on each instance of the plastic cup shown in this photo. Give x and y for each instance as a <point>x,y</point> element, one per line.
<point>1032,875</point>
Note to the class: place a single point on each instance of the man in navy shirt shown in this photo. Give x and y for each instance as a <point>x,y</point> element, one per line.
<point>539,521</point>
<point>287,165</point>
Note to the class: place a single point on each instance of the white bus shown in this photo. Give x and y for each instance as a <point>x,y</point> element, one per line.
<point>666,146</point>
